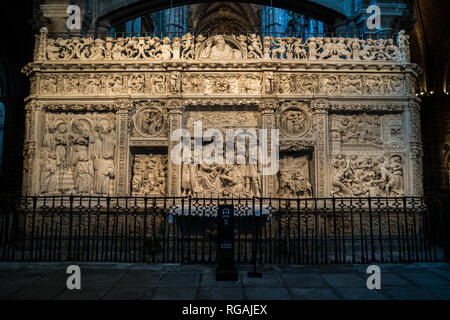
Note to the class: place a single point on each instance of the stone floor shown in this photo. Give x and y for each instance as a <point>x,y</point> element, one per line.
<point>20,281</point>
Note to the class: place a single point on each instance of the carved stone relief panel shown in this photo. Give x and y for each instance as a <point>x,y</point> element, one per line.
<point>363,128</point>
<point>294,120</point>
<point>367,154</point>
<point>149,174</point>
<point>223,180</point>
<point>294,177</point>
<point>223,119</point>
<point>234,179</point>
<point>245,83</point>
<point>220,47</point>
<point>358,128</point>
<point>355,175</point>
<point>149,121</point>
<point>77,154</point>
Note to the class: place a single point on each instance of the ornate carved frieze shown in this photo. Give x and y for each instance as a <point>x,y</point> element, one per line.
<point>367,107</point>
<point>297,145</point>
<point>214,83</point>
<point>222,47</point>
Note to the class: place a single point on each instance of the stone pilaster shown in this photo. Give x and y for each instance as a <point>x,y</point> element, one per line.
<point>175,110</point>
<point>321,151</point>
<point>122,164</point>
<point>40,45</point>
<point>31,170</point>
<point>415,149</point>
<point>267,109</point>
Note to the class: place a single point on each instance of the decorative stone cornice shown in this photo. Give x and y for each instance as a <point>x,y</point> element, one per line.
<point>367,107</point>
<point>85,107</point>
<point>296,145</point>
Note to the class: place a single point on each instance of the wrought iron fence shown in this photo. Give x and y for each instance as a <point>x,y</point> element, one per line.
<point>184,229</point>
<point>171,35</point>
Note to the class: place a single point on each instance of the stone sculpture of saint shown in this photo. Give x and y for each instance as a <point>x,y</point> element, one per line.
<point>208,179</point>
<point>48,177</point>
<point>84,173</point>
<point>48,142</point>
<point>61,145</point>
<point>104,172</point>
<point>97,145</point>
<point>109,142</point>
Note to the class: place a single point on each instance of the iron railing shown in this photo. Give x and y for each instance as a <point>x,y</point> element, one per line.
<point>184,229</point>
<point>171,35</point>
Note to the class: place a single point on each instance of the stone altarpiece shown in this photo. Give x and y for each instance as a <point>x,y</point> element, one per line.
<point>101,112</point>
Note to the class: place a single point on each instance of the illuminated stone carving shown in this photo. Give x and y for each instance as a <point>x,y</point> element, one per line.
<point>345,107</point>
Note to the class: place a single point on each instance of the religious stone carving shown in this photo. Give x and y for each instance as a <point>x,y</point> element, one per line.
<point>220,47</point>
<point>149,175</point>
<point>150,121</point>
<point>294,121</point>
<point>327,96</point>
<point>221,179</point>
<point>359,128</point>
<point>367,176</point>
<point>224,47</point>
<point>285,83</point>
<point>294,178</point>
<point>77,154</point>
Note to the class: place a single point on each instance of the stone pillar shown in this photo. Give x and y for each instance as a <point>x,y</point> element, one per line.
<point>415,149</point>
<point>40,46</point>
<point>267,109</point>
<point>175,110</point>
<point>30,181</point>
<point>122,163</point>
<point>321,150</point>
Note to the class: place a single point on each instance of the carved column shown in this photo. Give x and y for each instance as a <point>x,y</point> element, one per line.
<point>30,159</point>
<point>267,109</point>
<point>122,150</point>
<point>175,110</point>
<point>40,45</point>
<point>321,151</point>
<point>412,124</point>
